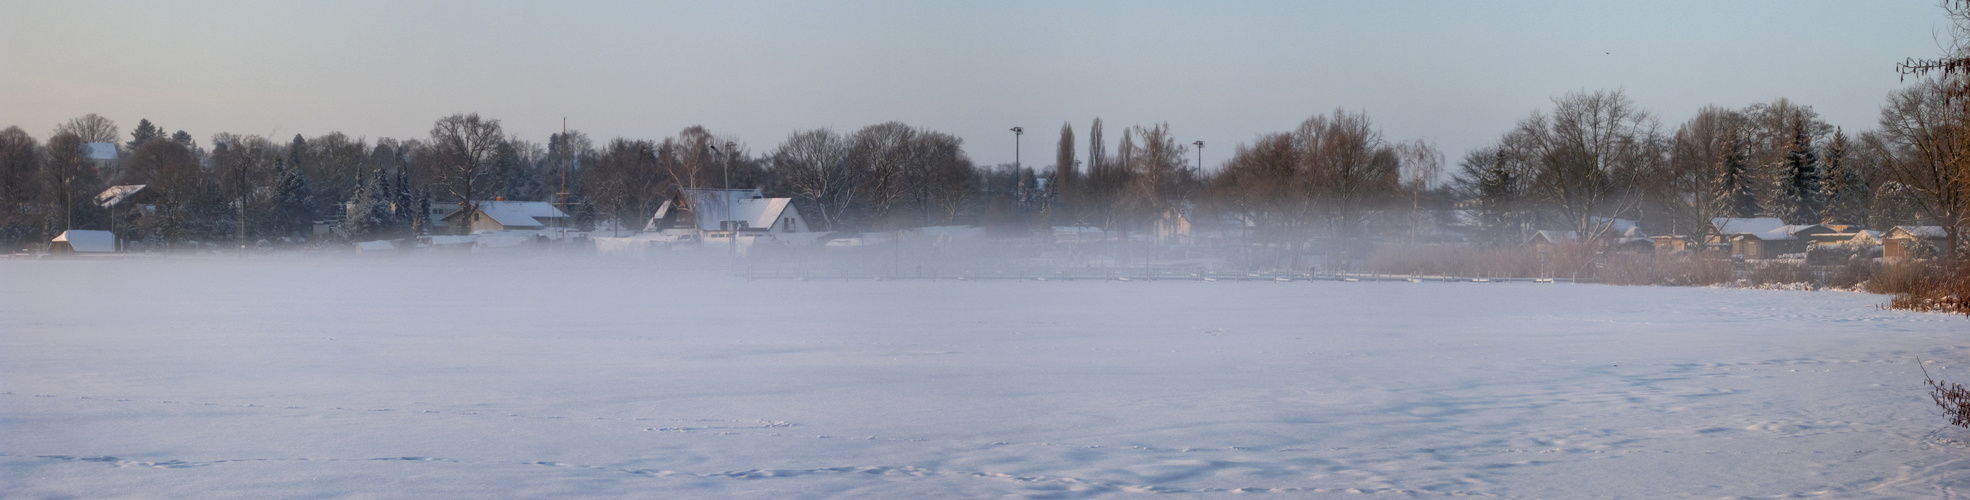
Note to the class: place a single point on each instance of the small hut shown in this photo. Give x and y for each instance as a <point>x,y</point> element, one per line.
<point>78,241</point>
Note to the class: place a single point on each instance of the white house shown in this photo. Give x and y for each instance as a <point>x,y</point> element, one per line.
<point>499,215</point>
<point>747,211</point>
<point>81,241</point>
<point>1766,237</point>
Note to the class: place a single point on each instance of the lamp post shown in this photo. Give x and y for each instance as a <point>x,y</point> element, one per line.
<point>1020,196</point>
<point>732,231</point>
<point>1200,154</point>
<point>1016,132</point>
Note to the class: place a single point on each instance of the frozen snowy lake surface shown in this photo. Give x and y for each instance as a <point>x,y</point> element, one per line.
<point>532,378</point>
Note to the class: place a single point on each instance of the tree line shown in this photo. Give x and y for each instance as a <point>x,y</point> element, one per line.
<point>1334,180</point>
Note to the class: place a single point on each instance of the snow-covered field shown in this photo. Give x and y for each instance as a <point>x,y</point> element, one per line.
<point>522,377</point>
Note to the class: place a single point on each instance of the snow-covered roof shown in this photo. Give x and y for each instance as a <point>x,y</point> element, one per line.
<point>1618,226</point>
<point>1554,236</point>
<point>656,221</point>
<point>709,205</point>
<point>1759,225</point>
<point>1864,237</point>
<point>1765,228</point>
<point>116,194</point>
<point>517,213</point>
<point>99,150</point>
<point>760,212</point>
<point>747,205</point>
<point>88,241</point>
<point>1934,232</point>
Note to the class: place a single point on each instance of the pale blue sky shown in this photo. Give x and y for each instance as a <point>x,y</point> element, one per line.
<point>1457,73</point>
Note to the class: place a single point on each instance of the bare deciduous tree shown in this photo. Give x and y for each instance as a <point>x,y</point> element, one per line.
<point>1686,188</point>
<point>1931,137</point>
<point>244,166</point>
<point>624,181</point>
<point>67,174</point>
<point>1351,168</point>
<point>881,151</point>
<point>20,160</point>
<point>814,165</point>
<point>171,170</point>
<point>1496,187</point>
<point>1422,170</point>
<point>938,174</point>
<point>1160,171</point>
<point>1264,188</point>
<point>465,148</point>
<point>1585,157</point>
<point>89,128</point>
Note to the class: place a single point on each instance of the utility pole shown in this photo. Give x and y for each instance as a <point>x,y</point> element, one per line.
<point>1200,155</point>
<point>1016,171</point>
<point>561,162</point>
<point>240,200</point>
<point>732,226</point>
<point>1016,132</point>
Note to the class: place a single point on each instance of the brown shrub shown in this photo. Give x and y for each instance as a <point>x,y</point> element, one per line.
<point>1780,272</point>
<point>1855,273</point>
<point>1680,269</point>
<point>1458,260</point>
<point>1954,399</point>
<point>1579,262</point>
<point>1901,278</point>
<point>1921,286</point>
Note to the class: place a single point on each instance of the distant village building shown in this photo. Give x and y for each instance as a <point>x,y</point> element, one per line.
<point>1173,227</point>
<point>104,155</point>
<point>1546,240</point>
<point>1672,243</point>
<point>435,214</point>
<point>78,241</point>
<point>1845,235</point>
<point>1615,234</point>
<point>1865,238</point>
<point>1069,235</point>
<point>1905,242</point>
<point>117,197</point>
<point>1764,237</point>
<point>499,215</point>
<point>721,212</point>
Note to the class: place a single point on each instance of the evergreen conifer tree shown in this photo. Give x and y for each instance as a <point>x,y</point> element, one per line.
<point>1800,190</point>
<point>144,132</point>
<point>1847,195</point>
<point>584,213</point>
<point>1737,198</point>
<point>404,200</point>
<point>384,204</point>
<point>294,202</point>
<point>370,216</point>
<point>420,224</point>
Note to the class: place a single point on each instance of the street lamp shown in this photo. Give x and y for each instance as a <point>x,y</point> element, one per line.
<point>732,232</point>
<point>1200,154</point>
<point>1016,132</point>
